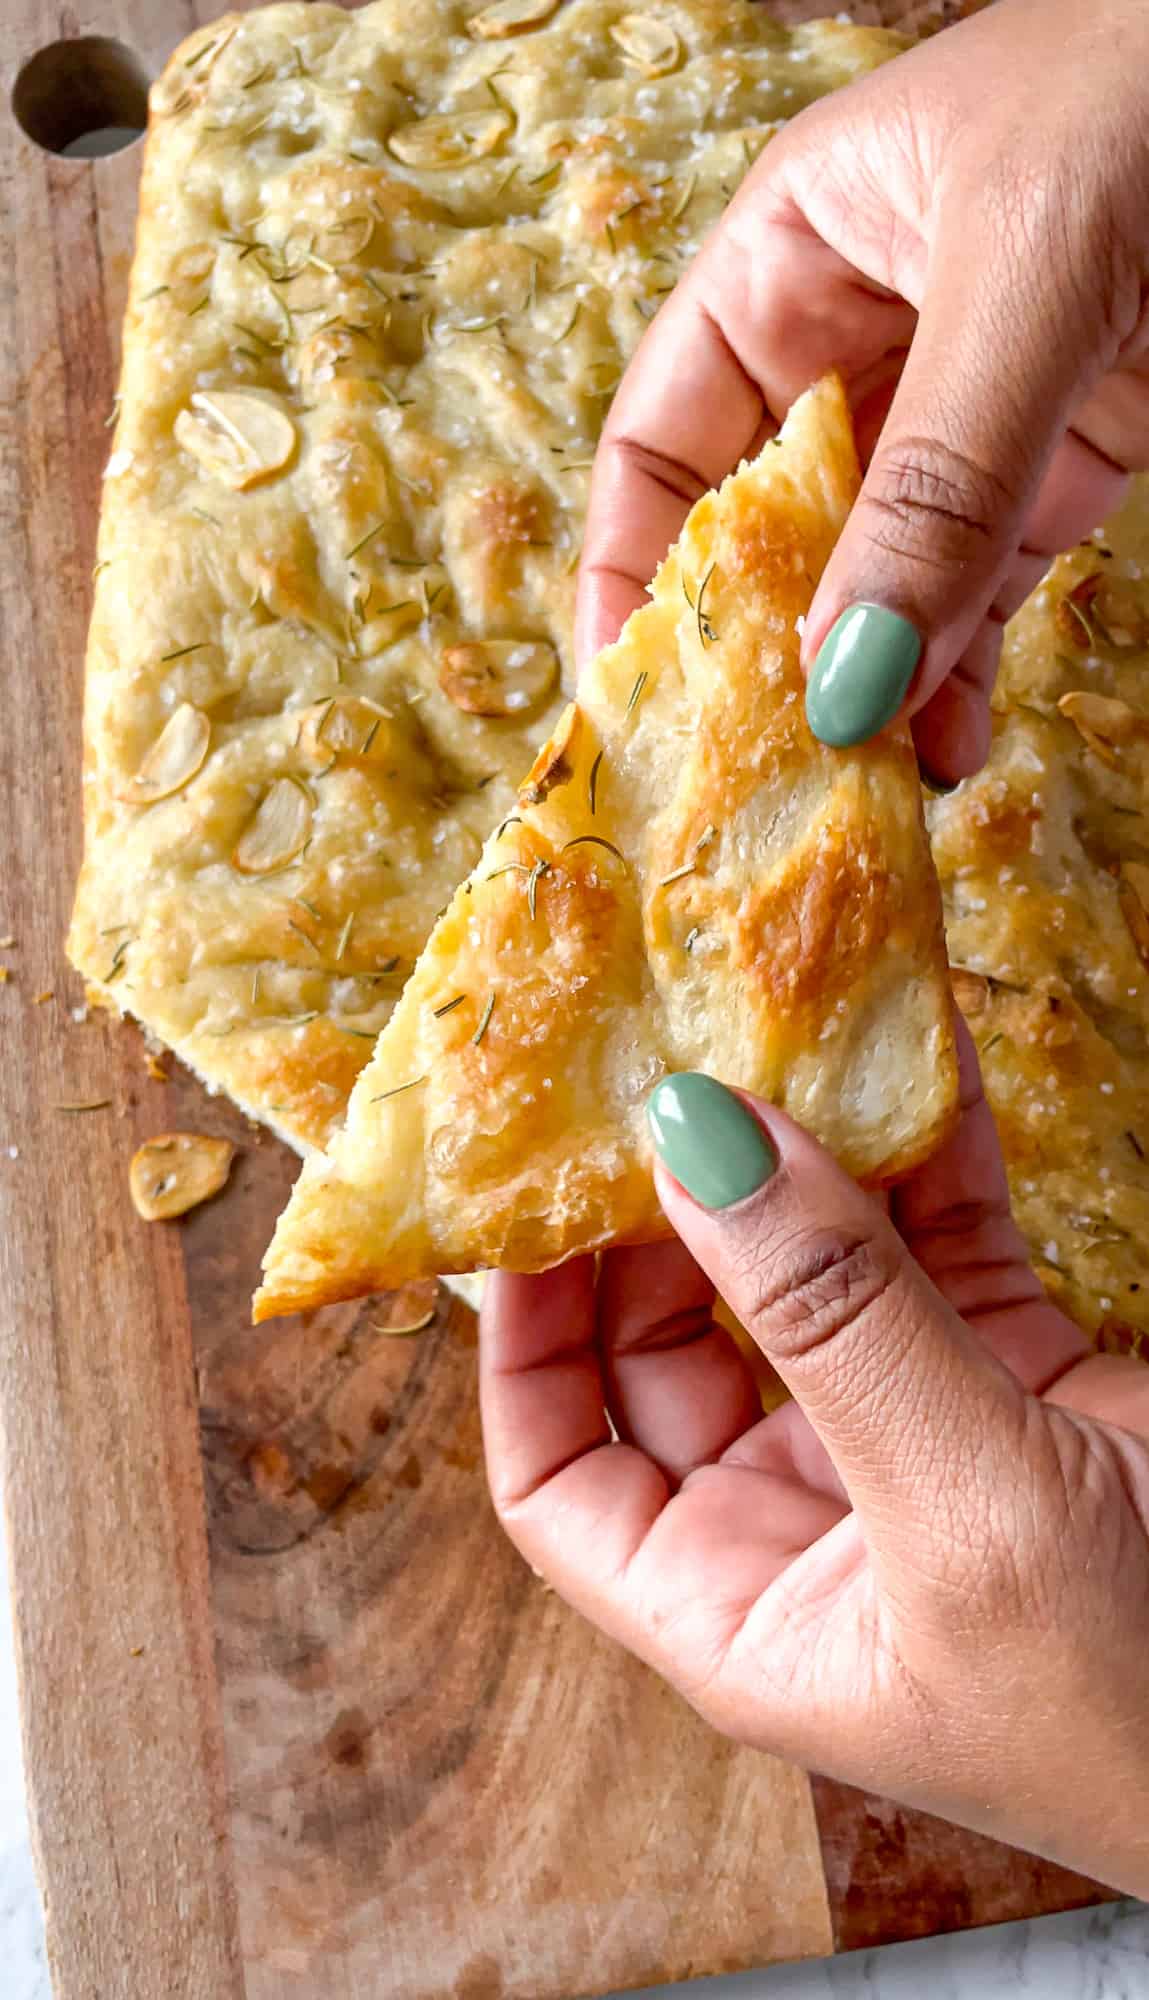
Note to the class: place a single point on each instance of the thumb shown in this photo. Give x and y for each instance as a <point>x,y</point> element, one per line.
<point>1004,346</point>
<point>911,1408</point>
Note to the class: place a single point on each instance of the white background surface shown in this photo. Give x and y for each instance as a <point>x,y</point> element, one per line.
<point>1095,1955</point>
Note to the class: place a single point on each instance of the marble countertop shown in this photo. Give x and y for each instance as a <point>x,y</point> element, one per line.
<point>1092,1955</point>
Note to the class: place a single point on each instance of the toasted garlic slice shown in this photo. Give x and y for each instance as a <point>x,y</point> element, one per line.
<point>510,17</point>
<point>175,756</point>
<point>970,990</point>
<point>651,45</point>
<point>237,437</point>
<point>408,1310</point>
<point>176,1172</point>
<point>350,727</point>
<point>449,139</point>
<point>280,828</point>
<point>498,676</point>
<point>1103,722</point>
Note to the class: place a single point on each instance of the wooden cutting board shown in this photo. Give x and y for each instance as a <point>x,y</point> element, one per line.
<point>299,1725</point>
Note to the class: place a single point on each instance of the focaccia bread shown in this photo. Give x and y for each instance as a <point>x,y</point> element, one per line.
<point>1044,860</point>
<point>690,880</point>
<point>390,266</point>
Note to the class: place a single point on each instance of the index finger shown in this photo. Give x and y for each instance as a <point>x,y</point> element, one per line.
<point>766,308</point>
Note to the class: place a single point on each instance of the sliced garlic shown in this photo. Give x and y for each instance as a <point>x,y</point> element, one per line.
<point>1133,896</point>
<point>280,828</point>
<point>498,676</point>
<point>1103,722</point>
<point>1105,604</point>
<point>342,241</point>
<point>652,45</point>
<point>451,139</point>
<point>348,727</point>
<point>176,1172</point>
<point>175,756</point>
<point>408,1310</point>
<point>510,17</point>
<point>554,764</point>
<point>237,437</point>
<point>970,990</point>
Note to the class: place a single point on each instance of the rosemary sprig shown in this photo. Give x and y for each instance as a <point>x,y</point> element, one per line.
<point>594,840</point>
<point>592,782</point>
<point>706,632</point>
<point>181,652</point>
<point>364,539</point>
<point>448,1006</point>
<point>541,867</point>
<point>398,1089</point>
<point>484,1020</point>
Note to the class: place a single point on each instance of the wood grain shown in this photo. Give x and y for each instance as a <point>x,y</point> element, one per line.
<point>298,1722</point>
<point>103,1485</point>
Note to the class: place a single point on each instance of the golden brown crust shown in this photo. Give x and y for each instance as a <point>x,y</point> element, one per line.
<point>1040,858</point>
<point>426,320</point>
<point>689,881</point>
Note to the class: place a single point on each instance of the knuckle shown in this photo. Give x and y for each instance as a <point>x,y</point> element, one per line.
<point>803,1296</point>
<point>926,502</point>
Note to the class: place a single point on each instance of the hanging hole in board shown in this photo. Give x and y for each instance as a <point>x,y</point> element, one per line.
<point>82,98</point>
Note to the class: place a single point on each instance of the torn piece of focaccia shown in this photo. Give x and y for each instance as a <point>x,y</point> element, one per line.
<point>690,881</point>
<point>391,263</point>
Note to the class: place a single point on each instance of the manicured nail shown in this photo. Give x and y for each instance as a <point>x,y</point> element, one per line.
<point>858,681</point>
<point>707,1138</point>
<point>941,787</point>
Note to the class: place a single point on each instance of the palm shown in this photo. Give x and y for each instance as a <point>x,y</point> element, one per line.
<point>630,1460</point>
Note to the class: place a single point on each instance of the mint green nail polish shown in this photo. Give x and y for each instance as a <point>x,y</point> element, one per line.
<point>859,680</point>
<point>707,1138</point>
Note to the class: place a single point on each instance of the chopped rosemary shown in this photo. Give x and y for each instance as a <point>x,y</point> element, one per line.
<point>448,1006</point>
<point>202,514</point>
<point>592,782</point>
<point>676,874</point>
<point>1076,612</point>
<point>709,833</point>
<point>88,1104</point>
<point>300,932</point>
<point>508,868</point>
<point>594,840</point>
<point>691,938</point>
<point>569,329</point>
<point>369,739</point>
<point>481,1030</point>
<point>181,652</point>
<point>118,958</point>
<point>361,1034</point>
<point>610,237</point>
<point>992,1042</point>
<point>364,539</point>
<point>1135,1142</point>
<point>706,632</point>
<point>343,938</point>
<point>389,964</point>
<point>541,867</point>
<point>684,199</point>
<point>255,979</point>
<point>398,1089</point>
<point>636,691</point>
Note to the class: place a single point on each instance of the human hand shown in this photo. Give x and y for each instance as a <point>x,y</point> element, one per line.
<point>928,1574</point>
<point>979,203</point>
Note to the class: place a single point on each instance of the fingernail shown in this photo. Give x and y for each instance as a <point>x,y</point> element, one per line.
<point>858,681</point>
<point>941,787</point>
<point>708,1139</point>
